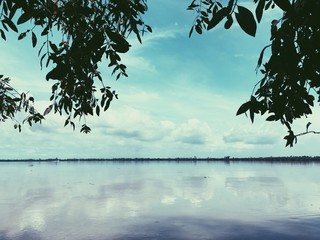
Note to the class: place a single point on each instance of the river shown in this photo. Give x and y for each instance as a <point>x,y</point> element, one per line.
<point>159,200</point>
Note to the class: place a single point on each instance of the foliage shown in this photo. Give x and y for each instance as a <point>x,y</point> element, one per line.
<point>11,102</point>
<point>290,85</point>
<point>89,30</point>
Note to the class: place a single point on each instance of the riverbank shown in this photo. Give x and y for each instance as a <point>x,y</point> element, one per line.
<point>291,159</point>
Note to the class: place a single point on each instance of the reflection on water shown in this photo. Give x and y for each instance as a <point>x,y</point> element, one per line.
<point>159,200</point>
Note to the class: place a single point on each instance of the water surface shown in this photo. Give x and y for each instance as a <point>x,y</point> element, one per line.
<point>159,200</point>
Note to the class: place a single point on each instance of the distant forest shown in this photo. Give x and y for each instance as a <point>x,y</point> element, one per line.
<point>227,159</point>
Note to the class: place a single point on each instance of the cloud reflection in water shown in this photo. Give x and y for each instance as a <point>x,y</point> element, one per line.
<point>159,200</point>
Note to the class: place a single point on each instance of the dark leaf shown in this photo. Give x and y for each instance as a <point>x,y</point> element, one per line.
<point>217,17</point>
<point>149,28</point>
<point>283,4</point>
<point>23,18</point>
<point>34,39</point>
<point>107,105</point>
<point>308,125</point>
<point>243,108</point>
<point>48,110</point>
<point>13,10</point>
<point>251,111</point>
<point>53,46</point>
<point>246,21</point>
<point>22,35</point>
<point>85,129</point>
<point>191,30</point>
<point>10,24</point>
<point>66,122</point>
<point>261,57</point>
<point>259,9</point>
<point>3,36</point>
<point>198,29</point>
<point>116,38</point>
<point>271,118</point>
<point>229,22</point>
<point>267,6</point>
<point>291,138</point>
<point>98,110</point>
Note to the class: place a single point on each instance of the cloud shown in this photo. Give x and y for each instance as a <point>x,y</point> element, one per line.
<point>192,132</point>
<point>246,134</point>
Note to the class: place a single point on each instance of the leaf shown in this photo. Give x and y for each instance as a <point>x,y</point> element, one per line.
<point>198,29</point>
<point>85,129</point>
<point>290,139</point>
<point>246,21</point>
<point>2,34</point>
<point>10,24</point>
<point>217,18</point>
<point>107,105</point>
<point>121,45</point>
<point>308,125</point>
<point>22,35</point>
<point>53,46</point>
<point>229,22</point>
<point>149,28</point>
<point>243,108</point>
<point>48,110</point>
<point>259,10</point>
<point>23,18</point>
<point>251,111</point>
<point>190,32</point>
<point>271,118</point>
<point>261,57</point>
<point>34,39</point>
<point>283,4</point>
<point>98,110</point>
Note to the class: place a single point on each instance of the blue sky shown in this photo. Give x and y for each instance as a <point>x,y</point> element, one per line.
<point>180,99</point>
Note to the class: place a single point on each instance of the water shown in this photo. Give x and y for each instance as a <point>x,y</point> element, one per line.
<point>159,200</point>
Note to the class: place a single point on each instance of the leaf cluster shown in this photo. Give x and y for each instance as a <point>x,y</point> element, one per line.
<point>90,31</point>
<point>290,85</point>
<point>12,102</point>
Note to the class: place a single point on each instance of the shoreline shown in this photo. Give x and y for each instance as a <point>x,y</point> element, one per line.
<point>292,159</point>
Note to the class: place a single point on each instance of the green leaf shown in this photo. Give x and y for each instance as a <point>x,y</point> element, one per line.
<point>246,21</point>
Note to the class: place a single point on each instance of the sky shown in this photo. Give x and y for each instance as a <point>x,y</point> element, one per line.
<point>180,99</point>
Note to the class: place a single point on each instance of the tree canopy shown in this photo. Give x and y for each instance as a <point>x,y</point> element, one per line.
<point>92,30</point>
<point>88,31</point>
